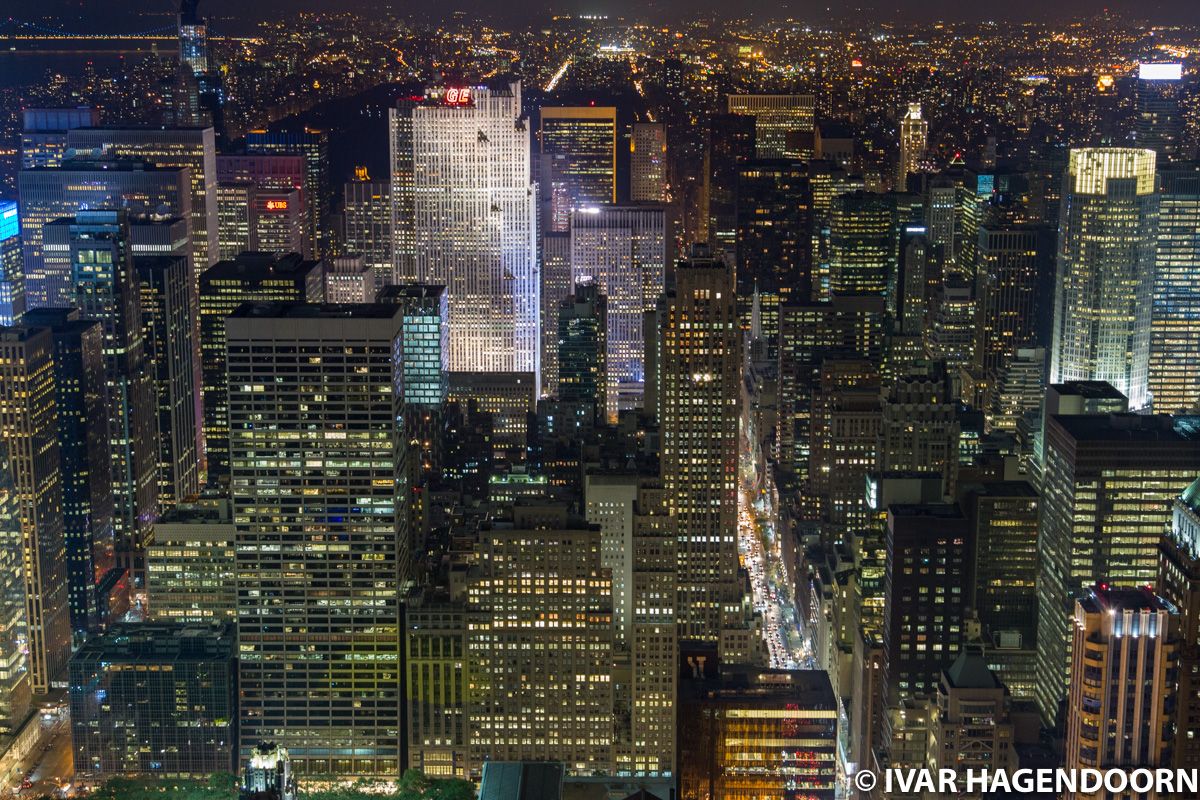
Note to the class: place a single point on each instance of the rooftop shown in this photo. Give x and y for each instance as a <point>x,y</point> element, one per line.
<point>1130,427</point>
<point>1105,598</point>
<point>280,310</point>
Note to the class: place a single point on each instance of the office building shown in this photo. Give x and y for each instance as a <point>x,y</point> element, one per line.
<point>313,146</point>
<point>1010,296</point>
<point>757,733</point>
<point>349,279</point>
<point>279,223</point>
<point>926,586</point>
<point>969,725</point>
<point>1124,665</point>
<point>699,413</point>
<point>846,421</point>
<point>648,176</point>
<point>1179,583</point>
<point>471,163</point>
<point>14,664</point>
<point>29,429</point>
<point>367,210</point>
<point>169,332</point>
<point>1107,489</point>
<point>577,151</point>
<point>730,142</point>
<point>249,278</point>
<point>557,285</point>
<point>237,221</point>
<point>51,194</point>
<point>333,696</point>
<point>783,123</point>
<point>773,243</point>
<point>401,158</point>
<point>85,466</point>
<point>1159,121</point>
<point>860,243</point>
<point>44,133</point>
<point>622,249</point>
<point>12,265</point>
<point>191,573</point>
<point>1003,518</point>
<point>950,331</point>
<point>193,148</point>
<point>531,571</point>
<point>1175,319</point>
<point>509,397</point>
<point>583,369</point>
<point>155,698</point>
<point>266,170</point>
<point>914,135</point>
<point>922,426</point>
<point>1105,280</point>
<point>106,289</point>
<point>426,352</point>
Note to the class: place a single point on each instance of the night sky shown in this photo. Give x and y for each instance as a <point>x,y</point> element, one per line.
<point>147,13</point>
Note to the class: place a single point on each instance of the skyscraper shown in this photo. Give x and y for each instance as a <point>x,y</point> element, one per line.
<point>1105,282</point>
<point>1108,485</point>
<point>368,221</point>
<point>1179,583</point>
<point>169,328</point>
<point>623,250</point>
<point>279,224</point>
<point>237,226</point>
<point>191,568</point>
<point>44,133</point>
<point>730,141</point>
<point>193,37</point>
<point>648,163</point>
<point>331,695</point>
<point>860,240</point>
<point>475,214</point>
<point>1175,320</point>
<point>1159,120</point>
<point>12,265</point>
<point>194,148</point>
<point>29,429</point>
<point>583,351</point>
<point>106,290</point>
<point>578,160</point>
<point>313,145</point>
<point>1009,301</point>
<point>85,461</point>
<point>1121,703</point>
<point>783,123</point>
<point>914,133</point>
<point>14,666</point>
<point>557,285</point>
<point>699,415</point>
<point>250,278</point>
<point>50,194</point>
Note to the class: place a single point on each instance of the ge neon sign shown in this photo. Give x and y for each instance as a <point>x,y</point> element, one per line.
<point>457,97</point>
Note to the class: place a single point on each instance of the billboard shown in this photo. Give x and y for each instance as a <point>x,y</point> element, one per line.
<point>1160,72</point>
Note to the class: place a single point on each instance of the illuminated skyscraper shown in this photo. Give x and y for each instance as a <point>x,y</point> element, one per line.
<point>914,134</point>
<point>368,221</point>
<point>81,394</point>
<point>1175,324</point>
<point>1159,121</point>
<point>1010,301</point>
<point>237,227</point>
<point>50,194</point>
<point>583,351</point>
<point>860,237</point>
<point>1105,281</point>
<point>12,265</point>
<point>1179,583</point>
<point>44,133</point>
<point>279,222</point>
<point>308,528</point>
<point>1108,485</point>
<point>475,224</point>
<point>1123,690</point>
<point>400,153</point>
<point>194,148</point>
<point>191,572</point>
<point>313,146</point>
<point>106,290</point>
<point>250,278</point>
<point>730,142</point>
<point>578,160</point>
<point>539,646</point>
<point>29,429</point>
<point>699,412</point>
<point>623,250</point>
<point>783,123</point>
<point>193,37</point>
<point>648,163</point>
<point>14,664</point>
<point>349,279</point>
<point>557,285</point>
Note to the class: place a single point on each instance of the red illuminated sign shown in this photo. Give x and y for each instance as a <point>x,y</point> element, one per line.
<point>277,205</point>
<point>457,97</point>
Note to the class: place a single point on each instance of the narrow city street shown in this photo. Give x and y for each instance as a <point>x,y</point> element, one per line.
<point>760,548</point>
